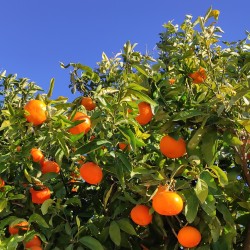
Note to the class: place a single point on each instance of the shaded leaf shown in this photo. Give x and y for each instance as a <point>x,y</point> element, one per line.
<point>91,243</point>
<point>115,233</point>
<point>201,190</point>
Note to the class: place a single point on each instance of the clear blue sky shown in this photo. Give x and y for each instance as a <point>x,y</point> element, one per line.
<point>37,35</point>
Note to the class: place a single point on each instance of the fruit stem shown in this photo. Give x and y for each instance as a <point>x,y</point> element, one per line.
<point>172,227</point>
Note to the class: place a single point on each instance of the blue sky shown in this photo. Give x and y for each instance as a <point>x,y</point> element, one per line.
<point>37,35</point>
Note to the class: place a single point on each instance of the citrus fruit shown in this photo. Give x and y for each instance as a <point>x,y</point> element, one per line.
<point>145,113</point>
<point>167,202</point>
<point>18,148</point>
<point>36,154</point>
<point>88,103</point>
<point>21,226</point>
<point>83,127</point>
<point>172,148</point>
<point>36,112</point>
<point>39,196</point>
<point>2,183</point>
<point>91,173</point>
<point>124,146</point>
<point>50,167</point>
<point>140,215</point>
<point>189,236</point>
<point>199,76</point>
<point>35,241</point>
<point>171,81</point>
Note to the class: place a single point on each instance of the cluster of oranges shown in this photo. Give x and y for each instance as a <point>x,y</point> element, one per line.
<point>22,227</point>
<point>167,203</point>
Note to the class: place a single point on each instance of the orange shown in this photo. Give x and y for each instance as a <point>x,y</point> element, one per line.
<point>36,112</point>
<point>199,76</point>
<point>167,202</point>
<point>91,173</point>
<point>189,236</point>
<point>145,113</point>
<point>50,167</point>
<point>35,241</point>
<point>2,183</point>
<point>140,215</point>
<point>172,148</point>
<point>36,154</point>
<point>22,226</point>
<point>88,103</point>
<point>124,146</point>
<point>18,148</point>
<point>39,196</point>
<point>83,127</point>
<point>171,81</point>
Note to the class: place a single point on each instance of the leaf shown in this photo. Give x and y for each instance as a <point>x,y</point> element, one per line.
<point>91,146</point>
<point>78,222</point>
<point>209,206</point>
<point>16,197</point>
<point>115,233</point>
<point>215,228</point>
<point>227,215</point>
<point>142,96</point>
<point>125,161</point>
<point>209,146</point>
<point>136,87</point>
<point>231,140</point>
<point>39,220</point>
<point>45,206</point>
<point>141,69</point>
<point>5,124</point>
<point>91,243</point>
<point>3,204</point>
<point>120,172</point>
<point>184,115</point>
<point>196,138</point>
<point>130,136</point>
<point>222,176</point>
<point>51,87</point>
<point>201,190</point>
<point>245,205</point>
<point>126,226</point>
<point>192,205</point>
<point>107,196</point>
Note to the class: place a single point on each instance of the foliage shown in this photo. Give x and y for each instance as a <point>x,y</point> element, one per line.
<point>212,117</point>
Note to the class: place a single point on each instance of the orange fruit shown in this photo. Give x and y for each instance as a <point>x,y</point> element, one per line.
<point>167,202</point>
<point>36,154</point>
<point>88,103</point>
<point>189,236</point>
<point>39,196</point>
<point>50,167</point>
<point>124,146</point>
<point>36,112</point>
<point>2,183</point>
<point>18,148</point>
<point>22,226</point>
<point>35,241</point>
<point>140,215</point>
<point>171,81</point>
<point>91,173</point>
<point>172,148</point>
<point>83,127</point>
<point>199,76</point>
<point>145,113</point>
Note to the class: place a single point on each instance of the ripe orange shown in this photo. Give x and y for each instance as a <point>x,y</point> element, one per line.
<point>36,112</point>
<point>172,148</point>
<point>91,173</point>
<point>35,241</point>
<point>22,226</point>
<point>50,167</point>
<point>88,103</point>
<point>18,148</point>
<point>189,236</point>
<point>145,113</point>
<point>36,154</point>
<point>2,183</point>
<point>83,127</point>
<point>171,81</point>
<point>124,146</point>
<point>140,215</point>
<point>167,202</point>
<point>39,196</point>
<point>198,76</point>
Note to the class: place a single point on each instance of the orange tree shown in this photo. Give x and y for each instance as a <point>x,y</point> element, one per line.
<point>181,181</point>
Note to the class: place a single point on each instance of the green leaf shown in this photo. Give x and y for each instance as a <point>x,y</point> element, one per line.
<point>107,196</point>
<point>184,115</point>
<point>37,218</point>
<point>45,206</point>
<point>91,146</point>
<point>231,140</point>
<point>192,205</point>
<point>215,228</point>
<point>130,137</point>
<point>91,243</point>
<point>222,176</point>
<point>51,87</point>
<point>136,87</point>
<point>196,138</point>
<point>209,146</point>
<point>120,172</point>
<point>227,215</point>
<point>201,190</point>
<point>142,96</point>
<point>209,206</point>
<point>124,159</point>
<point>115,233</point>
<point>3,204</point>
<point>16,197</point>
<point>207,177</point>
<point>245,204</point>
<point>141,69</point>
<point>126,226</point>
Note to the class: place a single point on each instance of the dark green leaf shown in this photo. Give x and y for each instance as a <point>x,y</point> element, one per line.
<point>184,115</point>
<point>124,159</point>
<point>201,190</point>
<point>126,226</point>
<point>209,206</point>
<point>192,205</point>
<point>38,219</point>
<point>115,233</point>
<point>92,146</point>
<point>91,243</point>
